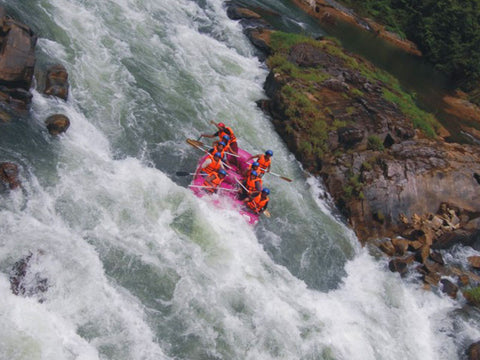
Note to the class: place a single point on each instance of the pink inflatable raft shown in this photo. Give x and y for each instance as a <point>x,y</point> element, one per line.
<point>233,173</point>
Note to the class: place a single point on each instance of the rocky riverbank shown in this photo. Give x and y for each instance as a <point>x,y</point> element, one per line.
<point>404,190</point>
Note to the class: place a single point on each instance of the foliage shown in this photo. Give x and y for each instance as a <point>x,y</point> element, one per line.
<point>473,295</point>
<point>375,143</point>
<point>420,119</point>
<point>447,31</point>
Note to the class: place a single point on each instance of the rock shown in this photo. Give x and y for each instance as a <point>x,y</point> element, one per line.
<point>449,288</point>
<point>437,257</point>
<point>474,261</point>
<point>17,56</point>
<point>57,82</point>
<point>25,283</point>
<point>307,55</point>
<point>237,13</point>
<point>473,351</point>
<point>387,247</point>
<point>422,254</point>
<point>400,265</point>
<point>336,85</point>
<point>9,175</point>
<point>260,38</point>
<point>349,136</point>
<point>401,246</point>
<point>460,236</point>
<point>57,124</point>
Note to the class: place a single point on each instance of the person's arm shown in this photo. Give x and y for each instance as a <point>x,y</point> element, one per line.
<point>206,163</point>
<point>253,157</point>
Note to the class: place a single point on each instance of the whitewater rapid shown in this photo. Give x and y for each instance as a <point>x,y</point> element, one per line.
<point>137,266</point>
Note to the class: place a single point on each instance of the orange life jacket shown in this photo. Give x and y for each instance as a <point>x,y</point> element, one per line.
<point>215,150</point>
<point>213,166</point>
<point>250,184</point>
<point>222,133</point>
<point>264,163</point>
<point>213,183</point>
<point>257,203</point>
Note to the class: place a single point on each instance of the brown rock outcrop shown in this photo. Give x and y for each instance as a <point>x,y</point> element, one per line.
<point>9,175</point>
<point>57,124</point>
<point>17,62</point>
<point>57,82</point>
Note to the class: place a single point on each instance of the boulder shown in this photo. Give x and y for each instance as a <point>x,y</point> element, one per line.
<point>24,282</point>
<point>473,351</point>
<point>474,261</point>
<point>17,55</point>
<point>449,288</point>
<point>349,136</point>
<point>9,175</point>
<point>57,82</point>
<point>459,236</point>
<point>57,124</point>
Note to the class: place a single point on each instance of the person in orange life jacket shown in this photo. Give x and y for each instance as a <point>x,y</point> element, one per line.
<point>214,180</point>
<point>259,203</point>
<point>219,147</point>
<point>253,167</point>
<point>253,186</point>
<point>227,141</point>
<point>212,163</point>
<point>222,131</point>
<point>264,160</point>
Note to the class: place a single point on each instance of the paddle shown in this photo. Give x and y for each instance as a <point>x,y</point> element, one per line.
<point>267,213</point>
<point>199,143</point>
<point>183,173</point>
<point>280,176</point>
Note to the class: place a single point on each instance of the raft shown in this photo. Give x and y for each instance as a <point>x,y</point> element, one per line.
<point>233,172</point>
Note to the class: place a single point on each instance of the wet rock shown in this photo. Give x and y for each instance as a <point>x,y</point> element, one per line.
<point>437,257</point>
<point>9,175</point>
<point>400,265</point>
<point>57,82</point>
<point>449,288</point>
<point>235,12</point>
<point>25,283</point>
<point>17,56</point>
<point>400,245</point>
<point>57,124</point>
<point>460,236</point>
<point>474,261</point>
<point>473,351</point>
<point>387,247</point>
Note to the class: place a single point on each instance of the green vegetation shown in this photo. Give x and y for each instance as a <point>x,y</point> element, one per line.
<point>446,31</point>
<point>421,119</point>
<point>309,118</point>
<point>473,295</point>
<point>375,143</point>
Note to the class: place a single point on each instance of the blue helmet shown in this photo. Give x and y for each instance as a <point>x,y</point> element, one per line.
<point>266,191</point>
<point>255,163</point>
<point>218,154</point>
<point>222,172</point>
<point>226,138</point>
<point>222,143</point>
<point>254,173</point>
<point>269,152</point>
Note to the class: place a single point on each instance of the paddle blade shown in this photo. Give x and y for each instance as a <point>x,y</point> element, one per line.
<point>182,173</point>
<point>267,213</point>
<point>195,143</point>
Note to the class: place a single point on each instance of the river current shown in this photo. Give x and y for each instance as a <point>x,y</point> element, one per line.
<point>137,266</point>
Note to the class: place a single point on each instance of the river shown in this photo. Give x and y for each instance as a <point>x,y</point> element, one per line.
<point>137,266</point>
